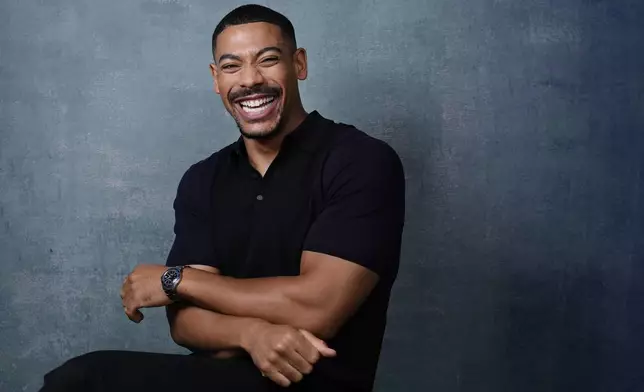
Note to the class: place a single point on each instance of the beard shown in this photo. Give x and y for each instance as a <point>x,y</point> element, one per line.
<point>264,134</point>
<point>273,126</point>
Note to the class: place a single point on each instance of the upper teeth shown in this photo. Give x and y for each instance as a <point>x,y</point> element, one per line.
<point>253,103</point>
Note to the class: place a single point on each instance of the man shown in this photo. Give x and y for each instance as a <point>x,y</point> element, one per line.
<point>287,242</point>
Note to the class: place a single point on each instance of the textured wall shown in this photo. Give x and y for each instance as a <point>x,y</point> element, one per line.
<point>520,124</point>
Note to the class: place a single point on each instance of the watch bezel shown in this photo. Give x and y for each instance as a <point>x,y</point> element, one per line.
<point>170,286</point>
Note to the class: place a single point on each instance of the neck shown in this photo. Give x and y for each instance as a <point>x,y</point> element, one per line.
<point>261,153</point>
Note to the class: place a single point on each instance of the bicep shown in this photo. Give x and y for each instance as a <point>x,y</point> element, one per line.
<point>340,286</point>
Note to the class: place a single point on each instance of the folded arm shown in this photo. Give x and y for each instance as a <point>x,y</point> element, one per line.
<point>352,244</point>
<point>199,329</point>
<point>326,293</point>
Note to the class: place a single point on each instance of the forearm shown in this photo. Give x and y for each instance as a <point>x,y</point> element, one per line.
<point>278,300</point>
<point>204,330</point>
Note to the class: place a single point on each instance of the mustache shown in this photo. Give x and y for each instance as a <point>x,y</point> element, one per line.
<point>258,89</point>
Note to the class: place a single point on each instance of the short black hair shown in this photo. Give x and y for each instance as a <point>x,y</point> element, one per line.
<point>253,13</point>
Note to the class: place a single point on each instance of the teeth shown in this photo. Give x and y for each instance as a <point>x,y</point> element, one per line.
<point>253,110</point>
<point>254,103</point>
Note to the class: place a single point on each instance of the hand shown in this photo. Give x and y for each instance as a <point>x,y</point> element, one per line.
<point>142,289</point>
<point>282,353</point>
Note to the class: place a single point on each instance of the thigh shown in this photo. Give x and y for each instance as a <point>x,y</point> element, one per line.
<point>107,371</point>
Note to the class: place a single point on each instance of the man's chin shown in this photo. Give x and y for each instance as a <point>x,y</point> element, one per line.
<point>257,131</point>
<point>255,134</point>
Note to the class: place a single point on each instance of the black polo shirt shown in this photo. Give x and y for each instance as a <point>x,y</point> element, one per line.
<point>332,189</point>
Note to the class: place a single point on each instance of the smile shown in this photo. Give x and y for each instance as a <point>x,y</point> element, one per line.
<point>255,105</point>
<point>256,108</point>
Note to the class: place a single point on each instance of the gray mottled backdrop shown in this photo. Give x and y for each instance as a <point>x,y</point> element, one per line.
<point>520,124</point>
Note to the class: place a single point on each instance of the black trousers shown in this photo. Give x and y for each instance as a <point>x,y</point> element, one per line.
<point>125,371</point>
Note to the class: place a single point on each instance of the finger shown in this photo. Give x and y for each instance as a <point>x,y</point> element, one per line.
<point>301,363</point>
<point>134,314</point>
<point>319,344</point>
<point>307,350</point>
<point>129,313</point>
<point>288,371</point>
<point>278,378</point>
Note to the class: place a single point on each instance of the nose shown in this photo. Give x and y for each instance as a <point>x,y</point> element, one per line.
<point>250,76</point>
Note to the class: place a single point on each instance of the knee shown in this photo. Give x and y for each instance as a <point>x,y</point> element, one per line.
<point>77,373</point>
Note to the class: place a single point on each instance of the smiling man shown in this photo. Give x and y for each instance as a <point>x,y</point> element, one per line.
<point>287,242</point>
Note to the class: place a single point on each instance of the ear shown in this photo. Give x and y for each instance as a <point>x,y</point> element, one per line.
<point>301,66</point>
<point>213,72</point>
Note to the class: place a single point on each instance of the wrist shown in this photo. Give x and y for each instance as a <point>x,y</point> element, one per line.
<point>170,280</point>
<point>249,332</point>
<point>187,278</point>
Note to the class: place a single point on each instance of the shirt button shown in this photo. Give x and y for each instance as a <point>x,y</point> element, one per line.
<point>260,197</point>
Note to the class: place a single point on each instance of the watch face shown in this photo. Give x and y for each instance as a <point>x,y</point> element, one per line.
<point>170,276</point>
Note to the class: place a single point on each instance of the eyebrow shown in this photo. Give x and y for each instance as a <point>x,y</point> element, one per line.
<point>259,53</point>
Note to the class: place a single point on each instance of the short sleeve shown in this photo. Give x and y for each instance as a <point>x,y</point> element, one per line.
<point>363,216</point>
<point>193,226</point>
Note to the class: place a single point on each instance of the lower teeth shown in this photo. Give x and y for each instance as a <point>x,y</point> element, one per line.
<point>256,109</point>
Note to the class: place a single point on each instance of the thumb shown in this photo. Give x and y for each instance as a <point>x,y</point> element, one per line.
<point>319,344</point>
<point>138,316</point>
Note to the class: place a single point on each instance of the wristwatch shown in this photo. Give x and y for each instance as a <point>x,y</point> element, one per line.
<point>171,279</point>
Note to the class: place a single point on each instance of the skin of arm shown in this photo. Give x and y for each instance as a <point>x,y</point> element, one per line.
<point>199,329</point>
<point>325,294</point>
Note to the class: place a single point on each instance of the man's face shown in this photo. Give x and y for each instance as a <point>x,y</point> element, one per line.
<point>256,73</point>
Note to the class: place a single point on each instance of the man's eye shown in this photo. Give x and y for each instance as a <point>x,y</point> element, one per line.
<point>269,60</point>
<point>229,67</point>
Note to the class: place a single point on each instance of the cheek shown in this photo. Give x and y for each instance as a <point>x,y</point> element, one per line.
<point>279,76</point>
<point>223,86</point>
<point>223,92</point>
